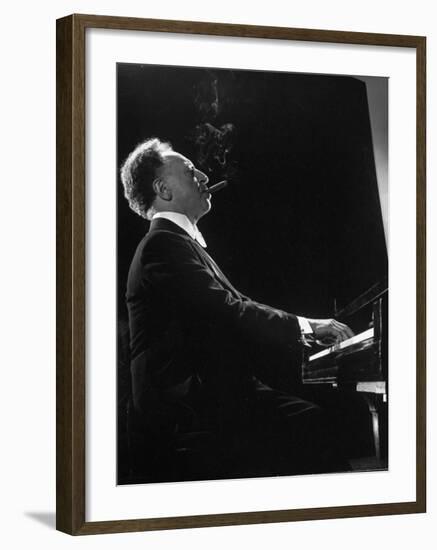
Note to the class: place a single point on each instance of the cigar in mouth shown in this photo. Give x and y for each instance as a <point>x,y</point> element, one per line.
<point>217,186</point>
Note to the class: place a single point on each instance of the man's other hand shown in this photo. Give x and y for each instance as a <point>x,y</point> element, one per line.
<point>330,331</point>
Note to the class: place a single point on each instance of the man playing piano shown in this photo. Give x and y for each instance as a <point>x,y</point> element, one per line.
<point>202,353</point>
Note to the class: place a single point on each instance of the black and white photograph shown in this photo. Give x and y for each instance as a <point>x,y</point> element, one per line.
<point>217,275</point>
<point>252,273</point>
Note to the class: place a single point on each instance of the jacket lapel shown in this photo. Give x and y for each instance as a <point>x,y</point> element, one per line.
<point>167,225</point>
<point>219,275</point>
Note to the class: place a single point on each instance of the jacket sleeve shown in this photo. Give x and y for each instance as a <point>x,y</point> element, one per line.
<point>171,265</point>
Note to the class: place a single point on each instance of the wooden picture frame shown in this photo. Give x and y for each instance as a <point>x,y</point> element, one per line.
<point>71,275</point>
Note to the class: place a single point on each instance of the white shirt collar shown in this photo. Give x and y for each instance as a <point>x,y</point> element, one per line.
<point>184,223</point>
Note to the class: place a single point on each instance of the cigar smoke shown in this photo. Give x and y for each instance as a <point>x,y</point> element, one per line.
<point>213,135</point>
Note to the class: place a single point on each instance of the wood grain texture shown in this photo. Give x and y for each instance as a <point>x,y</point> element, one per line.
<point>421,276</point>
<point>64,410</point>
<point>71,273</point>
<point>247,31</point>
<point>70,301</point>
<point>246,518</point>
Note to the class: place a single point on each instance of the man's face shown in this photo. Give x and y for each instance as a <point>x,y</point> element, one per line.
<point>189,193</point>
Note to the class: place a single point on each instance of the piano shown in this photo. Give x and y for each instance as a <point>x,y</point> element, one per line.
<point>358,364</point>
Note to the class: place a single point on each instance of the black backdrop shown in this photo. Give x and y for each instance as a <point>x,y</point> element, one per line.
<point>300,223</point>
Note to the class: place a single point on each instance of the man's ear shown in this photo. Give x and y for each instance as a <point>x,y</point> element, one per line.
<point>162,190</point>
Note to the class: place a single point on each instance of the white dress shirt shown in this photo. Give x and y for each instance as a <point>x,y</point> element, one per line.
<point>182,221</point>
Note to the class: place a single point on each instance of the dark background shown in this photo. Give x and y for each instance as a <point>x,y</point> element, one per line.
<point>300,223</point>
<point>299,227</point>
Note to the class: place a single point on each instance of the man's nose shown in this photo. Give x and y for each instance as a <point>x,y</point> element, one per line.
<point>201,177</point>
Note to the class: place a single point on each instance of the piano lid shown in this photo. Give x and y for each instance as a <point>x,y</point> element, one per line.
<point>369,296</point>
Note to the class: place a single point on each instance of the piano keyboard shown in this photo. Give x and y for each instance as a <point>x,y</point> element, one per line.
<point>363,336</point>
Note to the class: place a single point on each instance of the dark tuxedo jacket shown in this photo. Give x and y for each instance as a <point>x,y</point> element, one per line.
<point>196,342</point>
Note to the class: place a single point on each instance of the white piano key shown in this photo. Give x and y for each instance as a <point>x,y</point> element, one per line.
<point>366,335</point>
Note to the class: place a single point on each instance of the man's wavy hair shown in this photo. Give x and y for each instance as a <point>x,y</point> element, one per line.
<point>139,172</point>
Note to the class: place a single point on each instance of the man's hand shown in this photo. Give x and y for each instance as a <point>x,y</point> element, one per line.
<point>329,331</point>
